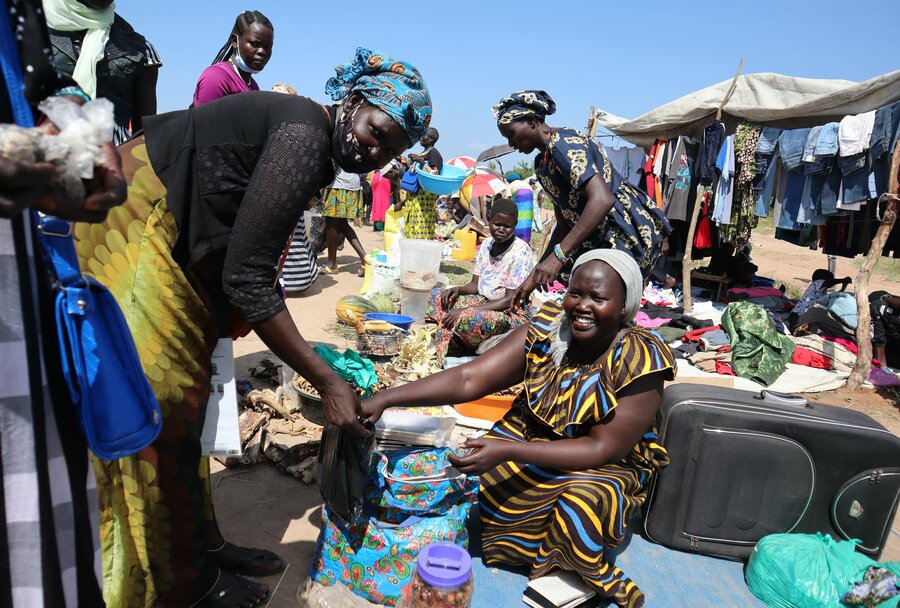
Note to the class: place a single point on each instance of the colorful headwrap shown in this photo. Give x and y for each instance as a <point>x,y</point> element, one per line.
<point>396,87</point>
<point>522,105</point>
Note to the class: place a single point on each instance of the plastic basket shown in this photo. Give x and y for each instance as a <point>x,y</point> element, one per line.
<point>448,181</point>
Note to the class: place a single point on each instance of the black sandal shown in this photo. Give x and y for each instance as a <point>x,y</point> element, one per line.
<point>253,555</point>
<point>240,591</point>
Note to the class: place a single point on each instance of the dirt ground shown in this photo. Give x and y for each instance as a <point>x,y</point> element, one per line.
<point>259,506</point>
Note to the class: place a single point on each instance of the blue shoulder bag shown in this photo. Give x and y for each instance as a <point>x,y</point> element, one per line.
<point>116,407</point>
<point>410,181</point>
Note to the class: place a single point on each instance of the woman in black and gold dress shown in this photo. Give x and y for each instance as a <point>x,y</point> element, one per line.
<point>606,212</point>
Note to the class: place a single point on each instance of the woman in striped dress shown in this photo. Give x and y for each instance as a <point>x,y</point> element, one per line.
<point>565,470</point>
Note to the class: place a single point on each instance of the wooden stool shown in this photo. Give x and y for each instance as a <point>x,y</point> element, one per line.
<point>722,280</point>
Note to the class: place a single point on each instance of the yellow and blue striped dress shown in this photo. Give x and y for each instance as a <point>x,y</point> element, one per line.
<point>553,519</point>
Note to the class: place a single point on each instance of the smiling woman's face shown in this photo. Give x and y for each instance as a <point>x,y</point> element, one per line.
<point>594,302</point>
<point>369,141</point>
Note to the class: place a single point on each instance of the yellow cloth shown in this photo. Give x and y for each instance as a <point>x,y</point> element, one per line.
<point>393,226</point>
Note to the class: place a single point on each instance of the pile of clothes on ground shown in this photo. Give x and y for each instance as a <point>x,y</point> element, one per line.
<point>756,336</point>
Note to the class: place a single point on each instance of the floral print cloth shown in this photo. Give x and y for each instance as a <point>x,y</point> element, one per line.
<point>411,502</point>
<point>496,275</point>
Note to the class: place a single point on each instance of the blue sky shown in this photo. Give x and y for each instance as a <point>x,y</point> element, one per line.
<point>623,57</point>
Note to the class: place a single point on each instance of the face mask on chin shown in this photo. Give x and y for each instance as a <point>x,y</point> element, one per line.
<point>239,60</point>
<point>346,146</point>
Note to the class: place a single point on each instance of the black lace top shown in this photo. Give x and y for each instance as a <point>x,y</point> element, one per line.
<point>239,172</point>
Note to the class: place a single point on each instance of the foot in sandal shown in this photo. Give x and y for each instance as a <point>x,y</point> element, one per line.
<point>232,591</point>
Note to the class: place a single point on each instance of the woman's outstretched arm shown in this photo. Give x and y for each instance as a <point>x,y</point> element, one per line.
<point>499,368</point>
<point>610,441</point>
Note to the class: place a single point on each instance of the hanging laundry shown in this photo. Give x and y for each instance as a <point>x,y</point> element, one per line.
<point>885,131</point>
<point>713,136</point>
<point>649,178</point>
<point>790,148</point>
<point>725,188</point>
<point>854,134</point>
<point>743,207</point>
<point>678,182</point>
<point>703,235</point>
<point>659,173</point>
<point>629,162</point>
<point>765,169</point>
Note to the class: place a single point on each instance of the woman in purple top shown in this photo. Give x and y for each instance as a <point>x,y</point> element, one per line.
<point>247,52</point>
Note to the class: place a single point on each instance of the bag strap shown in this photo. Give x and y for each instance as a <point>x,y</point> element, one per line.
<point>55,236</point>
<point>12,73</point>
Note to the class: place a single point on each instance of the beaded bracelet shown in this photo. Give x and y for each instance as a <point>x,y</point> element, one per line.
<point>558,252</point>
<point>75,92</point>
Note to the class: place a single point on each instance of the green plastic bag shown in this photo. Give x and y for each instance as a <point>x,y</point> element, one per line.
<point>351,367</point>
<point>808,571</point>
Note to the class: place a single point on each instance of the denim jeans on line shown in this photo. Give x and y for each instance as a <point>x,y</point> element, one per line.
<point>765,184</point>
<point>790,147</point>
<point>768,138</point>
<point>793,195</point>
<point>827,141</point>
<point>886,122</point>
<point>828,195</point>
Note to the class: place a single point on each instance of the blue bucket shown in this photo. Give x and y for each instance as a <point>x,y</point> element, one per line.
<point>447,182</point>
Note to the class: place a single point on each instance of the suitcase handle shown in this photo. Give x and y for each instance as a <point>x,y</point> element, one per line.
<point>783,399</point>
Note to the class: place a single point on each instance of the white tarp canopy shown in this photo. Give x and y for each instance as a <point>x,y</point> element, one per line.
<point>763,99</point>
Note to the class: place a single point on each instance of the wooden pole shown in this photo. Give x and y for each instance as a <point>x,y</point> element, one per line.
<point>730,90</point>
<point>591,129</point>
<point>688,264</point>
<point>863,363</point>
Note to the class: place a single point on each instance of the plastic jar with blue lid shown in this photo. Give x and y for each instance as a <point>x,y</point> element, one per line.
<point>442,578</point>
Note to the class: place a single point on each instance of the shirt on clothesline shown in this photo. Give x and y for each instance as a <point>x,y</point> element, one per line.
<point>678,182</point>
<point>629,162</point>
<point>855,132</point>
<point>725,189</point>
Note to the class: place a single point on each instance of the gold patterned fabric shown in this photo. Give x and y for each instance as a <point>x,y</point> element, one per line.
<point>522,105</point>
<point>552,519</point>
<point>634,224</point>
<point>337,202</point>
<point>156,516</point>
<point>420,215</point>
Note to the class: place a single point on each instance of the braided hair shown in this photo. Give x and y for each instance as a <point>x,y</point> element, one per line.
<point>241,25</point>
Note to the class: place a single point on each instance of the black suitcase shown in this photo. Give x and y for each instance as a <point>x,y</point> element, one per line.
<point>744,465</point>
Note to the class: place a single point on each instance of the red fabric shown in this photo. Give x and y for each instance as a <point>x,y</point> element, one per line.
<point>703,236</point>
<point>648,171</point>
<point>810,358</point>
<point>851,346</point>
<point>725,369</point>
<point>694,334</point>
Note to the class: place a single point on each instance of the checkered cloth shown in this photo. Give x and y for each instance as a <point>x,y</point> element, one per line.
<point>48,503</point>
